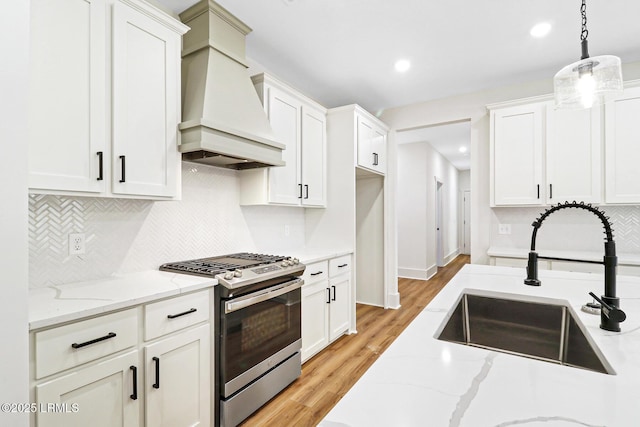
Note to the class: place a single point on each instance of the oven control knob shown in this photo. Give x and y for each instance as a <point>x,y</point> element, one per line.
<point>285,263</point>
<point>296,261</point>
<point>228,275</point>
<point>237,273</point>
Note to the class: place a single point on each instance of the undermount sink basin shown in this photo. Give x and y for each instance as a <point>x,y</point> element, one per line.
<point>539,328</point>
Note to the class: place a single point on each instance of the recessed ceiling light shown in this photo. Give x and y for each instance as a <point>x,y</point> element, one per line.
<point>463,149</point>
<point>540,30</point>
<point>402,65</point>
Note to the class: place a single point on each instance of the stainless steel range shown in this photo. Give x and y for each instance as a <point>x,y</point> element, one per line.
<point>257,328</point>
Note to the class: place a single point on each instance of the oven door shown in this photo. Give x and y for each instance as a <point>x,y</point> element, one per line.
<point>258,331</point>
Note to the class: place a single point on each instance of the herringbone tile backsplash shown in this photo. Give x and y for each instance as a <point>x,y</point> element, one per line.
<point>124,235</point>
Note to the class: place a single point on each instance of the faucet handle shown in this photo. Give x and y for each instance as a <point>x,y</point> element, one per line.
<point>611,312</point>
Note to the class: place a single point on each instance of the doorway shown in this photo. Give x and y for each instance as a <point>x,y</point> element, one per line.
<point>466,222</point>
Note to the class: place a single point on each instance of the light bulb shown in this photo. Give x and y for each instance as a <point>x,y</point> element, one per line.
<point>586,87</point>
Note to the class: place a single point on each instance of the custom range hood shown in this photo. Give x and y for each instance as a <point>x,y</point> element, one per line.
<point>224,123</point>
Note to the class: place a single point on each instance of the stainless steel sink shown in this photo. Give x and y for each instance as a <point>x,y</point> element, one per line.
<point>539,328</point>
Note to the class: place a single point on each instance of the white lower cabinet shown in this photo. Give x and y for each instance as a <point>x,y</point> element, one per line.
<point>106,394</point>
<point>100,371</point>
<point>326,303</point>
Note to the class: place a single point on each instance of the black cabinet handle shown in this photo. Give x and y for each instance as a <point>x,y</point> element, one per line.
<point>134,396</point>
<point>551,191</point>
<point>299,191</point>
<point>328,296</point>
<point>157,383</point>
<point>123,168</point>
<point>100,166</point>
<point>375,159</point>
<point>316,273</point>
<point>84,344</point>
<point>334,293</point>
<point>538,191</point>
<point>342,265</point>
<point>173,316</point>
<point>306,191</point>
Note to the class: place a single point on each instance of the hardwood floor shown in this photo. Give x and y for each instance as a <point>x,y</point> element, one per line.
<point>331,373</point>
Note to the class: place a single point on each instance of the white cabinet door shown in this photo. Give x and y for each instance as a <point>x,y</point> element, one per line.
<point>314,158</point>
<point>372,146</point>
<point>284,114</point>
<point>67,95</point>
<point>379,149</point>
<point>146,58</point>
<point>516,155</point>
<point>339,308</point>
<point>178,380</point>
<point>622,152</point>
<point>315,318</point>
<point>573,155</point>
<point>100,395</point>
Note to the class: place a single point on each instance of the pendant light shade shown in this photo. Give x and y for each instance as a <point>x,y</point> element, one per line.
<point>583,83</point>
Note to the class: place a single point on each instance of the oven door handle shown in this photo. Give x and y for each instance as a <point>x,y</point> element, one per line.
<point>267,294</point>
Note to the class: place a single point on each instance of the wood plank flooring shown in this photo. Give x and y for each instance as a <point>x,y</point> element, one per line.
<point>332,372</point>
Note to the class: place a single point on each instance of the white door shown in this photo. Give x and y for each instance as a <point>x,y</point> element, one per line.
<point>439,226</point>
<point>101,395</point>
<point>314,157</point>
<point>573,156</point>
<point>466,223</point>
<point>178,380</point>
<point>339,289</point>
<point>622,153</point>
<point>315,318</point>
<point>285,116</point>
<point>145,105</point>
<point>67,95</point>
<point>516,155</point>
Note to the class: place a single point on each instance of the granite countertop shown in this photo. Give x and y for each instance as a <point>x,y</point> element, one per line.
<point>422,381</point>
<point>625,259</point>
<point>56,304</point>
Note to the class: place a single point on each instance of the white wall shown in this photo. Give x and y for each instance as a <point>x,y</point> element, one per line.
<point>134,235</point>
<point>14,51</point>
<point>464,180</point>
<point>473,107</point>
<point>418,167</point>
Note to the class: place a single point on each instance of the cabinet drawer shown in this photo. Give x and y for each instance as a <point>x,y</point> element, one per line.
<point>71,345</point>
<point>164,317</point>
<point>339,265</point>
<point>316,272</point>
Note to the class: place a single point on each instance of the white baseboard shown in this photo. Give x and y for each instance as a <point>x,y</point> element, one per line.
<point>412,273</point>
<point>451,256</point>
<point>394,301</point>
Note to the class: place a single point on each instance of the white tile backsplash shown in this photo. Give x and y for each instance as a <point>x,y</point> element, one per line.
<point>124,235</point>
<point>569,229</point>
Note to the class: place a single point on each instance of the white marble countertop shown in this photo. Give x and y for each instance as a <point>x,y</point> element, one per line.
<point>309,256</point>
<point>56,304</point>
<point>422,381</point>
<point>623,259</point>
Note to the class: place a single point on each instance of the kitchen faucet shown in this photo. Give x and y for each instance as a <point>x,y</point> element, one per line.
<point>610,314</point>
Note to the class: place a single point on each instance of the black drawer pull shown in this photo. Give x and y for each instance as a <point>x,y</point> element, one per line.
<point>342,265</point>
<point>157,383</point>
<point>134,396</point>
<point>306,191</point>
<point>328,296</point>
<point>334,293</point>
<point>315,274</point>
<point>84,344</point>
<point>100,166</point>
<point>173,316</point>
<point>124,168</point>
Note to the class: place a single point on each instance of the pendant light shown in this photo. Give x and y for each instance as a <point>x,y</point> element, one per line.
<point>582,84</point>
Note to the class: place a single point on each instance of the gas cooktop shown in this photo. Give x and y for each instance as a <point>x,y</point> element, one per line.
<point>209,267</point>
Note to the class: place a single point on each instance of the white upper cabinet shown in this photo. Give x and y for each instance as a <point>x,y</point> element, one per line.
<point>573,155</point>
<point>300,124</point>
<point>77,84</point>
<point>516,155</point>
<point>372,145</point>
<point>622,148</point>
<point>67,95</point>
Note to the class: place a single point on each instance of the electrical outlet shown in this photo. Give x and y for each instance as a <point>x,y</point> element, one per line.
<point>504,228</point>
<point>76,243</point>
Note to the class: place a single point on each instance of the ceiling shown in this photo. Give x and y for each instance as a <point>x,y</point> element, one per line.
<point>447,139</point>
<point>342,52</point>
